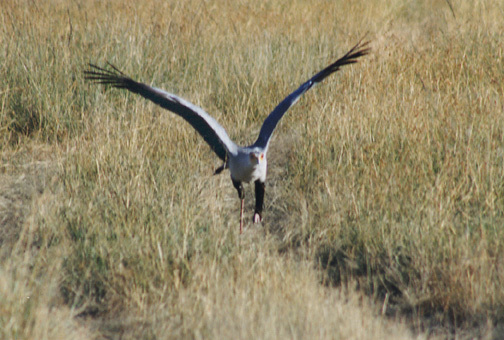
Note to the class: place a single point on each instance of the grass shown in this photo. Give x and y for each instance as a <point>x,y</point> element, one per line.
<point>384,201</point>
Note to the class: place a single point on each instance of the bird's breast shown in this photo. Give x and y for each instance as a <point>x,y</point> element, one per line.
<point>243,170</point>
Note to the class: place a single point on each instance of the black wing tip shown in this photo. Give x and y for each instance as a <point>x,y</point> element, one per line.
<point>358,50</point>
<point>114,70</point>
<point>362,46</point>
<point>105,76</point>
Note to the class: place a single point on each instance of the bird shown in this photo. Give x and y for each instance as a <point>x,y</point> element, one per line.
<point>246,164</point>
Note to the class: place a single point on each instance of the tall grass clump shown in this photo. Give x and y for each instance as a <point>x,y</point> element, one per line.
<point>385,184</point>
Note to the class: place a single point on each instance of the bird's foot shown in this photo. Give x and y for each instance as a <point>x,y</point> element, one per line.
<point>257,218</point>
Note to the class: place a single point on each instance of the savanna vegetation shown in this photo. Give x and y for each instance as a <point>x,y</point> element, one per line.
<point>384,207</point>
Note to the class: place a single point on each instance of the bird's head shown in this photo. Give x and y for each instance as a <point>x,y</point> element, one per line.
<point>256,157</point>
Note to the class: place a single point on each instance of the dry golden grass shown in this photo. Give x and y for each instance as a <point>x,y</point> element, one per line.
<point>385,187</point>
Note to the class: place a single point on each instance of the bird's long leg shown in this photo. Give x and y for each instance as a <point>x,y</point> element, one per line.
<point>241,215</point>
<point>219,169</point>
<point>259,193</point>
<point>222,167</point>
<point>241,195</point>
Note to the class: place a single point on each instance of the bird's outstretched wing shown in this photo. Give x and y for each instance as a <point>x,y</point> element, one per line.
<point>274,117</point>
<point>213,133</point>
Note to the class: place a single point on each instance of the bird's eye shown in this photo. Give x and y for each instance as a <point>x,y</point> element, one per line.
<point>261,157</point>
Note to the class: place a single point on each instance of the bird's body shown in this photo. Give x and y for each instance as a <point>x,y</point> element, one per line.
<point>246,164</point>
<point>249,164</point>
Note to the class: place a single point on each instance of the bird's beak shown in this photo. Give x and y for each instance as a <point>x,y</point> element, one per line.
<point>256,158</point>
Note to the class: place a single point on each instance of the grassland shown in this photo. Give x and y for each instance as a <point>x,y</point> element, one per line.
<point>385,197</point>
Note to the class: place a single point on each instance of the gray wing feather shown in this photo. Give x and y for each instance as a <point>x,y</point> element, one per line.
<point>211,131</point>
<point>274,117</point>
